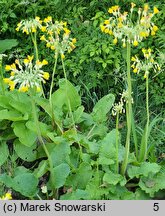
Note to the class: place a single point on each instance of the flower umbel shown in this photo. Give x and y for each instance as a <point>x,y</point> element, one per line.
<point>26,75</point>
<point>57,36</point>
<point>123,27</point>
<point>145,65</point>
<point>28,26</point>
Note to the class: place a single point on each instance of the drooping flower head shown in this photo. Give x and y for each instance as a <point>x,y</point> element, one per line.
<point>57,36</point>
<point>145,65</point>
<point>26,75</point>
<point>29,26</point>
<point>124,28</point>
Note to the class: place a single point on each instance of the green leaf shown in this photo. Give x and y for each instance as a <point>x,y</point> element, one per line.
<point>25,183</point>
<point>112,178</point>
<point>26,136</point>
<point>60,173</point>
<point>4,153</point>
<point>82,176</point>
<point>107,152</point>
<point>24,152</point>
<point>12,115</point>
<point>41,169</point>
<point>60,153</point>
<point>144,170</point>
<point>65,94</point>
<point>44,128</point>
<point>102,108</point>
<point>75,195</point>
<point>153,184</point>
<point>7,44</point>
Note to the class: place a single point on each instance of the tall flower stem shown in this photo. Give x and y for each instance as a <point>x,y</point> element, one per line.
<point>1,75</point>
<point>50,95</point>
<point>117,142</point>
<point>41,139</point>
<point>143,152</point>
<point>128,111</point>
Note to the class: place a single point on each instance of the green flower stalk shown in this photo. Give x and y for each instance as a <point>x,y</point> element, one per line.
<point>123,28</point>
<point>146,66</point>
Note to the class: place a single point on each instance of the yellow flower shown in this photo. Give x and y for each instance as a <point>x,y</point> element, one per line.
<point>149,50</point>
<point>110,10</point>
<point>156,10</point>
<point>110,32</point>
<point>23,89</point>
<point>106,22</point>
<point>133,59</point>
<point>17,61</point>
<point>135,43</point>
<point>12,85</point>
<point>52,47</point>
<point>44,62</point>
<point>48,19</point>
<point>67,31</point>
<point>6,80</point>
<point>48,45</point>
<point>42,38</point>
<point>46,75</point>
<point>12,73</point>
<point>74,40</point>
<point>26,61</point>
<point>13,66</point>
<point>143,34</point>
<point>146,7</point>
<point>62,56</point>
<point>106,31</point>
<point>8,67</point>
<point>8,196</point>
<point>120,25</point>
<point>144,51</point>
<point>30,58</point>
<point>153,33</point>
<point>155,28</point>
<point>135,70</point>
<point>38,89</point>
<point>43,28</point>
<point>145,76</point>
<point>37,18</point>
<point>33,29</point>
<point>115,40</point>
<point>133,5</point>
<point>102,28</point>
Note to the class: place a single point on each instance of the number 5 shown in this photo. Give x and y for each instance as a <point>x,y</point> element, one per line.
<point>156,207</point>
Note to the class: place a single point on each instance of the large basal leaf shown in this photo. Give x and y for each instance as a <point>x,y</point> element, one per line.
<point>7,44</point>
<point>26,136</point>
<point>82,176</point>
<point>107,154</point>
<point>25,183</point>
<point>60,153</point>
<point>59,175</point>
<point>113,178</point>
<point>102,108</point>
<point>12,115</point>
<point>144,170</point>
<point>4,153</point>
<point>75,195</point>
<point>66,94</point>
<point>24,152</point>
<point>153,184</point>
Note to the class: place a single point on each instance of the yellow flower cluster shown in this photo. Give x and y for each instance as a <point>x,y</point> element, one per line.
<point>57,36</point>
<point>122,27</point>
<point>26,75</point>
<point>7,196</point>
<point>29,26</point>
<point>146,65</point>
